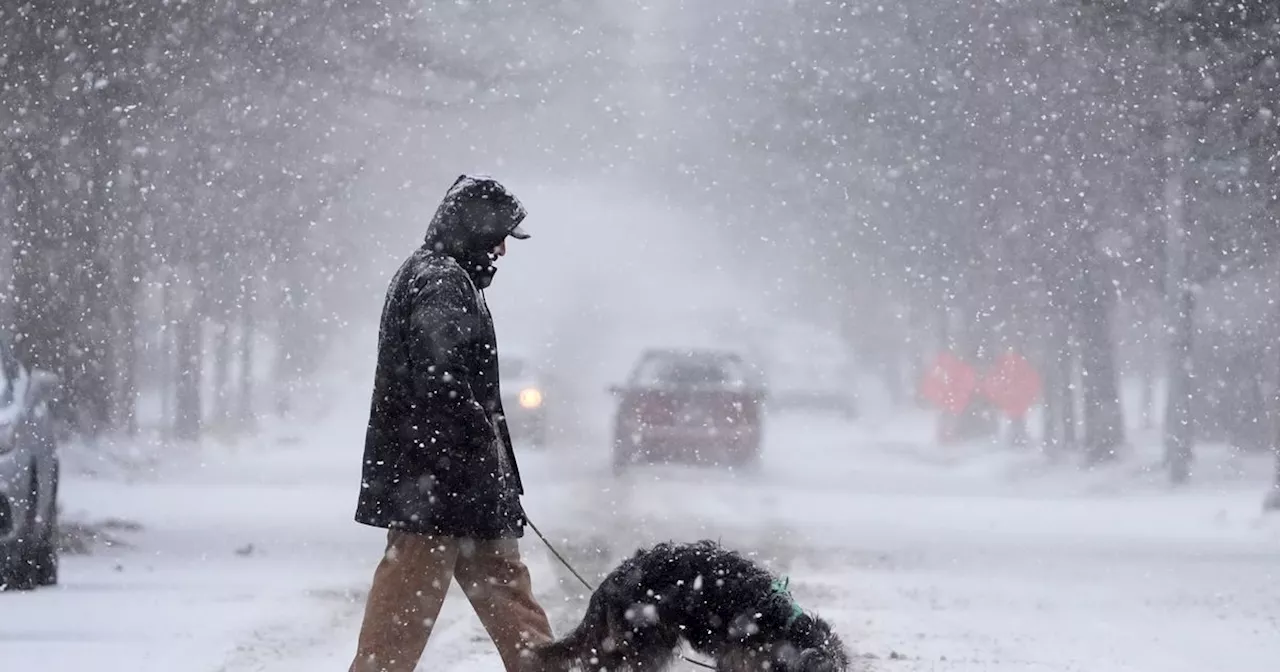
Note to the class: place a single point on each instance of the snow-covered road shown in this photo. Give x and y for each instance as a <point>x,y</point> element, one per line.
<point>248,559</point>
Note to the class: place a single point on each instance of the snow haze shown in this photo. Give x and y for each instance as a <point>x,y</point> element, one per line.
<point>1008,271</point>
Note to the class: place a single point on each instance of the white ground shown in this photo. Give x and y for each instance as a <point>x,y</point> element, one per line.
<point>925,558</point>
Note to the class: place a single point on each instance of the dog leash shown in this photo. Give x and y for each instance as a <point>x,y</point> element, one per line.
<point>587,584</point>
<point>559,557</point>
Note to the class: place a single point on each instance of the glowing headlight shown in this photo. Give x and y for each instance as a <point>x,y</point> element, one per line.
<point>530,397</point>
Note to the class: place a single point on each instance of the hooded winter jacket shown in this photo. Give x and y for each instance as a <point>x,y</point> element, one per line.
<point>438,458</point>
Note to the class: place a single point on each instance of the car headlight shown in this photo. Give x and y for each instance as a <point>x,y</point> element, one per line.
<point>530,397</point>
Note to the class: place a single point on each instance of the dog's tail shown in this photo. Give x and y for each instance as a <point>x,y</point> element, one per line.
<point>580,647</point>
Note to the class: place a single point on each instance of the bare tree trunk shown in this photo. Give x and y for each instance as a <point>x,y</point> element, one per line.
<point>1061,386</point>
<point>1059,389</point>
<point>94,240</point>
<point>167,356</point>
<point>917,352</point>
<point>1147,361</point>
<point>1271,390</point>
<point>1051,432</point>
<point>1068,385</point>
<point>1178,430</point>
<point>127,273</point>
<point>1272,502</point>
<point>42,309</point>
<point>187,421</point>
<point>130,245</point>
<point>284,366</point>
<point>125,411</point>
<point>222,372</point>
<point>971,339</point>
<point>188,346</point>
<point>1103,413</point>
<point>246,415</point>
<point>1050,352</point>
<point>294,346</point>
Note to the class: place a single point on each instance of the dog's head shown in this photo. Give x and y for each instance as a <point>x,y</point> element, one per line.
<point>821,660</point>
<point>816,648</point>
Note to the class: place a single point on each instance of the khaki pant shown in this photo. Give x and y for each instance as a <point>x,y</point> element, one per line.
<point>409,587</point>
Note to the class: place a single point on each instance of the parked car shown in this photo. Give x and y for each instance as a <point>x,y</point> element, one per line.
<point>28,476</point>
<point>810,369</point>
<point>689,406</point>
<point>525,398</point>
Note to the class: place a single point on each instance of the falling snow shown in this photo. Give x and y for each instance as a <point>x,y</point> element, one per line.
<point>970,315</point>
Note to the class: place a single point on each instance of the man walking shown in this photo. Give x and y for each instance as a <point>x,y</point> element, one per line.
<point>439,471</point>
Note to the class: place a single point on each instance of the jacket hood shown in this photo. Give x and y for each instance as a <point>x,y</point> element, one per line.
<point>475,216</point>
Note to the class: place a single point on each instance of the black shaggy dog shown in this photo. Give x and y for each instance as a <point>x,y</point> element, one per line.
<point>725,606</point>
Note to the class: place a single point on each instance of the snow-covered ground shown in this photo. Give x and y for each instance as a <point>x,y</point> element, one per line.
<point>925,558</point>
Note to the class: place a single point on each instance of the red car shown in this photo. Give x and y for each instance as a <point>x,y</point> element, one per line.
<point>692,406</point>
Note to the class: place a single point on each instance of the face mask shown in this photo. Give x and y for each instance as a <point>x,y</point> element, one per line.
<point>482,271</point>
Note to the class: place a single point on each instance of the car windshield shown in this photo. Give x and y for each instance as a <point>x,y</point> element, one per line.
<point>690,371</point>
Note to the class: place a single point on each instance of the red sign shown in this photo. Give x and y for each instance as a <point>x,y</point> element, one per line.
<point>949,383</point>
<point>1012,384</point>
